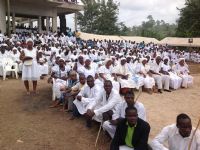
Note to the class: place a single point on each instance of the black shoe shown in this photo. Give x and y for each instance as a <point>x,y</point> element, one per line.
<point>159,91</point>
<point>89,124</point>
<point>168,90</point>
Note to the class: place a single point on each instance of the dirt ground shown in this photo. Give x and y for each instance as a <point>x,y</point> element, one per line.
<point>26,122</point>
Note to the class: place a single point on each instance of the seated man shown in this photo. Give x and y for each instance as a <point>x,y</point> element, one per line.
<point>87,95</point>
<point>132,133</point>
<point>71,92</point>
<point>102,108</point>
<point>178,136</point>
<point>119,113</point>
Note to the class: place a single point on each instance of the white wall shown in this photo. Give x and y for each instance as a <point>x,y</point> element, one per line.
<point>2,16</point>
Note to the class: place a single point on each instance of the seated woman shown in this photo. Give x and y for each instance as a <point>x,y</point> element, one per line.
<point>138,80</point>
<point>59,77</point>
<point>182,70</point>
<point>43,64</point>
<point>142,70</point>
<point>79,66</point>
<point>123,76</point>
<point>89,69</point>
<point>105,73</point>
<point>175,80</point>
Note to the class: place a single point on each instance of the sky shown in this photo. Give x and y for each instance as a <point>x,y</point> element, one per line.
<point>133,12</point>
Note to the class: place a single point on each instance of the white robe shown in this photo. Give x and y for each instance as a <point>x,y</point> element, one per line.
<point>148,81</point>
<point>175,80</point>
<point>107,73</point>
<point>101,104</point>
<point>183,72</point>
<point>129,83</point>
<point>88,96</point>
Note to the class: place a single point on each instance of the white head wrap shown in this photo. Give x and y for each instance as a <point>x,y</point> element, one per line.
<point>180,59</point>
<point>29,40</point>
<point>107,60</point>
<point>142,59</point>
<point>58,56</point>
<point>14,48</point>
<point>62,59</point>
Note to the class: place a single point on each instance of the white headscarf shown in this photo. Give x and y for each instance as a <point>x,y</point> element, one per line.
<point>142,59</point>
<point>29,40</point>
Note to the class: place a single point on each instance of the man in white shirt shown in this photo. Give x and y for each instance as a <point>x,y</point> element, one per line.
<point>119,113</point>
<point>87,95</point>
<point>177,136</point>
<point>102,108</point>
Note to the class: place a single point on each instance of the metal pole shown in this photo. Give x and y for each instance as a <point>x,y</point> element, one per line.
<point>8,14</point>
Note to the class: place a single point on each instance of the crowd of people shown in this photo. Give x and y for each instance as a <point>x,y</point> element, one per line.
<point>97,81</point>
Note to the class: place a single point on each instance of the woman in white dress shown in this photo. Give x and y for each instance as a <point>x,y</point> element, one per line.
<point>89,69</point>
<point>79,66</point>
<point>30,66</point>
<point>143,69</point>
<point>175,80</point>
<point>59,78</point>
<point>182,70</point>
<point>105,73</point>
<point>43,64</point>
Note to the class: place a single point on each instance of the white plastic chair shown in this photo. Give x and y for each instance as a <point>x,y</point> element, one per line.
<point>9,66</point>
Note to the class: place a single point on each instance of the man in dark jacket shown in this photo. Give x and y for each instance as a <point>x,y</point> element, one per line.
<point>132,132</point>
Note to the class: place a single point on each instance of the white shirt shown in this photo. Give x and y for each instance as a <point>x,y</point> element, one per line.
<point>155,67</point>
<point>89,94</point>
<point>101,104</point>
<point>120,108</point>
<point>175,141</point>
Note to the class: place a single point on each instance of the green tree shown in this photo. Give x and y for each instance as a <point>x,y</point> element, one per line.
<point>189,21</point>
<point>88,20</point>
<point>154,28</point>
<point>99,17</point>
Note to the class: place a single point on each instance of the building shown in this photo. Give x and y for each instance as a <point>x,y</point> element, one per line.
<point>42,11</point>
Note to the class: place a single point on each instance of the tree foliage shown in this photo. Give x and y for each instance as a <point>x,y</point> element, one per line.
<point>99,17</point>
<point>154,28</point>
<point>189,21</point>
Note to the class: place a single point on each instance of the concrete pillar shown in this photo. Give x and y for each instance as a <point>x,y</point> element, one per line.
<point>13,23</point>
<point>43,24</point>
<point>30,23</point>
<point>39,24</point>
<point>54,20</point>
<point>2,16</point>
<point>54,24</point>
<point>63,25</point>
<point>47,23</point>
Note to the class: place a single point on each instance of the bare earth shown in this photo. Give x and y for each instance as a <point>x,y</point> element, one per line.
<point>26,123</point>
